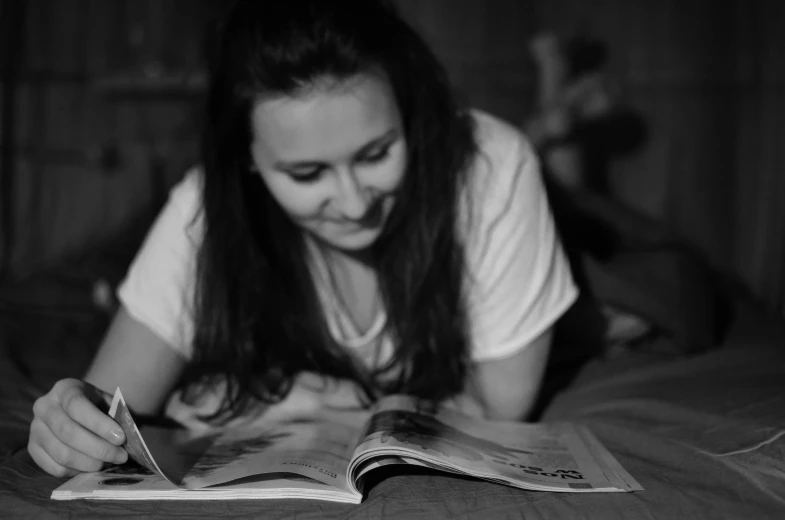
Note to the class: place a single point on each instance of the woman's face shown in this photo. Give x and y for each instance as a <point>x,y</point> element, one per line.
<point>333,157</point>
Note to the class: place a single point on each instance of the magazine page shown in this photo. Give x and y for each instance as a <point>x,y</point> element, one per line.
<point>380,462</point>
<point>134,482</point>
<point>316,446</point>
<point>134,443</point>
<point>551,457</point>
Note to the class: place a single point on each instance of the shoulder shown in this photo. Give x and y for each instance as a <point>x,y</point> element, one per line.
<point>159,286</point>
<point>187,193</point>
<point>503,176</point>
<point>497,139</point>
<point>518,279</point>
<point>185,202</point>
<point>504,155</point>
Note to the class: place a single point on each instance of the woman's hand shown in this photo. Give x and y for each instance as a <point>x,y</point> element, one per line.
<point>326,392</point>
<point>69,434</point>
<point>465,404</point>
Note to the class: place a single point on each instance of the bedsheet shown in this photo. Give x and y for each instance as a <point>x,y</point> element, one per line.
<point>704,435</point>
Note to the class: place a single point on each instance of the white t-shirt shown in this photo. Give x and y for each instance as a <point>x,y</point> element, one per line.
<point>519,281</point>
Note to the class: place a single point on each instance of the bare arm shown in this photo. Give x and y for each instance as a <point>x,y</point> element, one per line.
<point>506,389</point>
<point>142,364</point>
<point>69,432</point>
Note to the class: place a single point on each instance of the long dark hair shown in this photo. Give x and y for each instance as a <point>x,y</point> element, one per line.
<point>257,316</point>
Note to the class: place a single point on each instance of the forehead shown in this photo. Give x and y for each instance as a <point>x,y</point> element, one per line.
<point>325,121</point>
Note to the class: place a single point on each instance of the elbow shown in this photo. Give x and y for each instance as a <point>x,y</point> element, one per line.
<point>514,407</point>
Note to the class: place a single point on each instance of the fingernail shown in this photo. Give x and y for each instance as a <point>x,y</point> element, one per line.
<point>117,436</point>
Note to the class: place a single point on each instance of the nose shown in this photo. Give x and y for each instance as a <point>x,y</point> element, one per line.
<point>352,200</point>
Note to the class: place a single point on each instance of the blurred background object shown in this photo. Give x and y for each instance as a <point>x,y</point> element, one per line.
<point>100,102</point>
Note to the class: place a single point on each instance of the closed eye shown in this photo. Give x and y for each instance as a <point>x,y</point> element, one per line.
<point>376,156</point>
<point>306,176</point>
<point>311,171</point>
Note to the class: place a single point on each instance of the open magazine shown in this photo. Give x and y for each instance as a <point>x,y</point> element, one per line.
<point>325,457</point>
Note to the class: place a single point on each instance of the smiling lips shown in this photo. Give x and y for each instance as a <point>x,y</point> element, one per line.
<point>371,220</point>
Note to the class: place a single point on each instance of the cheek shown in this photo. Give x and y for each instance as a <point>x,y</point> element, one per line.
<point>298,201</point>
<point>394,171</point>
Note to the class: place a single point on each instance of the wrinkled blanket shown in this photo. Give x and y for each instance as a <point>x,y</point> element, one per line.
<point>704,435</point>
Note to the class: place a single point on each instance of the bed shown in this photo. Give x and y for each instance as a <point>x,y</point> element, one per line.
<point>702,430</point>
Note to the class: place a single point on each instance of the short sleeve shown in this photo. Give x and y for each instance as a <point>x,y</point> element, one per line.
<point>158,289</point>
<point>519,281</point>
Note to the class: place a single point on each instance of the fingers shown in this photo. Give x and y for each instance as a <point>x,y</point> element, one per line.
<point>63,455</point>
<point>331,392</point>
<point>79,408</point>
<point>46,462</point>
<point>465,404</point>
<point>69,432</point>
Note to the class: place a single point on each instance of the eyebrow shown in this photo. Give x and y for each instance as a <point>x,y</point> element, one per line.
<point>388,137</point>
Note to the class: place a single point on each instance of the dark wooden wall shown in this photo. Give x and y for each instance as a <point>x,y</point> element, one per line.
<point>708,77</point>
<point>105,118</point>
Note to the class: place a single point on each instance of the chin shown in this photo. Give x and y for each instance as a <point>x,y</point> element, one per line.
<point>355,241</point>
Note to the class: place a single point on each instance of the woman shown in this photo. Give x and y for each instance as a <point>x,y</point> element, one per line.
<point>351,232</point>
